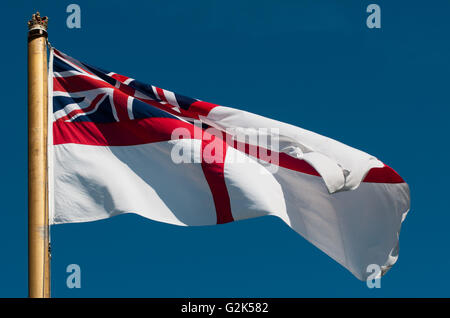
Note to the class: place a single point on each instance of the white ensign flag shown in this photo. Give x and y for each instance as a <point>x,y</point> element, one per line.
<point>121,146</point>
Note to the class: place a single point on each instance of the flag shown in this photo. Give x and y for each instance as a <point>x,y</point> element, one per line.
<point>119,145</point>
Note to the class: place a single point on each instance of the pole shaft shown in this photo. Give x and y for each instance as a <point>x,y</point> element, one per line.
<point>38,255</point>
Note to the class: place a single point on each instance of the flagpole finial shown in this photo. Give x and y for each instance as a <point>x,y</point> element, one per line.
<point>38,23</point>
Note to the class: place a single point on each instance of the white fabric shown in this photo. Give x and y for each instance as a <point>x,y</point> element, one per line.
<point>341,167</point>
<point>356,228</point>
<point>354,222</point>
<point>93,183</point>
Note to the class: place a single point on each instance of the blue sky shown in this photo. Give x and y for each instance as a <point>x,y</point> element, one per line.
<point>311,63</point>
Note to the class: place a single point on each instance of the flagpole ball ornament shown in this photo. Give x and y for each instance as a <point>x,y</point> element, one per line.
<point>37,26</point>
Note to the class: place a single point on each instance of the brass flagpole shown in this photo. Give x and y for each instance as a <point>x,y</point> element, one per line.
<point>38,253</point>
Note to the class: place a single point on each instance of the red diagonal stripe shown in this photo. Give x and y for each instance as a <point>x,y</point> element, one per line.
<point>84,110</point>
<point>119,77</point>
<point>161,94</point>
<point>78,83</point>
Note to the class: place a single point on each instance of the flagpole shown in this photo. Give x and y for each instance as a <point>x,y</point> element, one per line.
<point>38,253</point>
